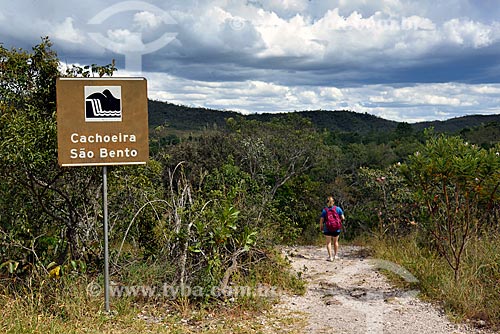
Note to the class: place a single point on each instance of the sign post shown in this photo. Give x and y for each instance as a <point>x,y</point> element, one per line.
<point>102,122</point>
<point>106,250</point>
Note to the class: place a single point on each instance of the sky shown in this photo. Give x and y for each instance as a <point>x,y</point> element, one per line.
<point>403,60</point>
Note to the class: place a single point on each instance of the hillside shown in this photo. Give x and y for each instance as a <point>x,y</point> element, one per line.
<point>457,124</point>
<point>187,119</point>
<point>340,120</point>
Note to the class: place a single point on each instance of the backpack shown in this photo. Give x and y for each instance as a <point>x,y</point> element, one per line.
<point>332,219</point>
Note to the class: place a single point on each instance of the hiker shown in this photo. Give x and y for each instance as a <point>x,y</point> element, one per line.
<point>330,224</point>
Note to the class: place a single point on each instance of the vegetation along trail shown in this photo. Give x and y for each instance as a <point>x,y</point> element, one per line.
<point>220,193</point>
<point>350,295</point>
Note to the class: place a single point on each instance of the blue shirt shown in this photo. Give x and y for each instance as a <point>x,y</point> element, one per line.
<point>339,211</point>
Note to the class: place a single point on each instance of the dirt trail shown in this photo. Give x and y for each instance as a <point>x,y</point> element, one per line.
<point>351,296</point>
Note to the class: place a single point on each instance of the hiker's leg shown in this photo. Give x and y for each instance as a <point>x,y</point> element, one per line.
<point>329,246</point>
<point>335,245</point>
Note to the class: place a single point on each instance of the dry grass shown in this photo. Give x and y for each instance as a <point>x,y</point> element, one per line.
<point>474,297</point>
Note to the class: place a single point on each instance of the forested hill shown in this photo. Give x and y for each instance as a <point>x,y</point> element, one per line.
<point>184,118</point>
<point>459,123</point>
<point>340,120</point>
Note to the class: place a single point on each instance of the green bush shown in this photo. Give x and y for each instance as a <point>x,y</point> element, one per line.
<point>457,186</point>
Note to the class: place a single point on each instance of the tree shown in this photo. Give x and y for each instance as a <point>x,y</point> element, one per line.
<point>458,184</point>
<point>276,152</point>
<point>28,145</point>
<point>386,203</point>
<point>47,213</point>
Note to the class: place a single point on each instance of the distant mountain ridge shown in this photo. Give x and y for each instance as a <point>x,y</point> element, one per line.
<point>458,123</point>
<point>339,120</point>
<point>184,118</point>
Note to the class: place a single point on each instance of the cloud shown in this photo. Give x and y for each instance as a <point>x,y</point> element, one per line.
<point>486,89</point>
<point>332,93</point>
<point>291,38</point>
<point>349,47</point>
<point>147,20</point>
<point>410,103</point>
<point>123,41</point>
<point>469,33</point>
<point>212,30</point>
<point>65,31</point>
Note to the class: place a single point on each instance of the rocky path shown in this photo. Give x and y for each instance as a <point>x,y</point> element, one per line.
<point>351,296</point>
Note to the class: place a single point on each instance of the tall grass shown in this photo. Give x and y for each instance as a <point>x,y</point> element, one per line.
<point>475,296</point>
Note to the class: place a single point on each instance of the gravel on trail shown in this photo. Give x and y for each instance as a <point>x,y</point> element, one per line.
<point>350,295</point>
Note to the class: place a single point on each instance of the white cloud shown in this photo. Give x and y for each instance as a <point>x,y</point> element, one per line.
<point>439,100</point>
<point>382,98</point>
<point>66,31</point>
<point>124,41</point>
<point>468,33</point>
<point>448,95</point>
<point>368,7</point>
<point>331,93</point>
<point>308,97</point>
<point>486,89</point>
<point>147,20</point>
<point>287,5</point>
<point>354,37</point>
<point>338,38</point>
<point>259,88</point>
<point>415,22</point>
<point>291,38</point>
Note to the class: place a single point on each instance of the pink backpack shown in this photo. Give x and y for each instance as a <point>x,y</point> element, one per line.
<point>332,219</point>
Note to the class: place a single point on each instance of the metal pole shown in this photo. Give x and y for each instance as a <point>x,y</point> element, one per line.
<point>105,213</point>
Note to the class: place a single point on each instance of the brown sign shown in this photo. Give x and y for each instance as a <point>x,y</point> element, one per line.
<point>102,121</point>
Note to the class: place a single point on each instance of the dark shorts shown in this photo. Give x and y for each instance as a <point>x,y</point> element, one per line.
<point>332,234</point>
